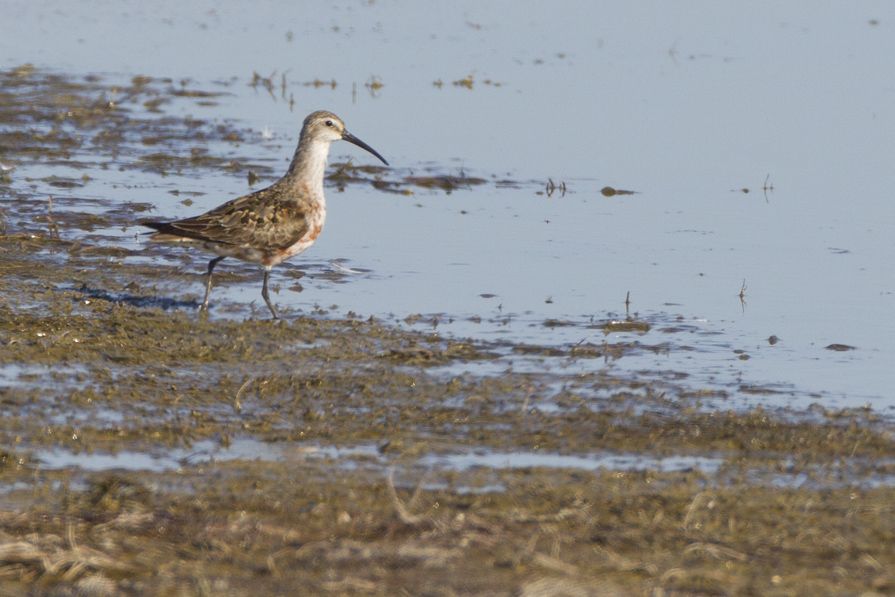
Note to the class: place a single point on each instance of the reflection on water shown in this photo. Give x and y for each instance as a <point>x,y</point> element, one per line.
<point>689,106</point>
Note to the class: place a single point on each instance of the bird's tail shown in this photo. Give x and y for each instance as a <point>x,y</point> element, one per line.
<point>164,232</point>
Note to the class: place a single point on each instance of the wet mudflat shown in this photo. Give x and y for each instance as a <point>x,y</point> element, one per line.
<point>337,455</point>
<point>148,449</point>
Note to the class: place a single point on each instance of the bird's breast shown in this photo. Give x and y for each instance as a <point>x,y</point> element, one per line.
<point>315,220</point>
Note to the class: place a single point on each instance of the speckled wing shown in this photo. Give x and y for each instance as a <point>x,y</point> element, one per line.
<point>262,220</point>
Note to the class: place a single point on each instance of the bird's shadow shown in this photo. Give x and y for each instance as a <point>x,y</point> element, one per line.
<point>164,303</point>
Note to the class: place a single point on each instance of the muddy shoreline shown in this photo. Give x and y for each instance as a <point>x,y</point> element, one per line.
<point>351,483</point>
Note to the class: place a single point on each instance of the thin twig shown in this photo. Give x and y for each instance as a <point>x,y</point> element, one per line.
<point>403,513</point>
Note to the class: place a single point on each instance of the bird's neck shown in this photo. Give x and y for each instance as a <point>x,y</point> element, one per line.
<point>309,165</point>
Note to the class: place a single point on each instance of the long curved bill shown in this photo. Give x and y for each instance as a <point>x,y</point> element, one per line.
<point>352,139</point>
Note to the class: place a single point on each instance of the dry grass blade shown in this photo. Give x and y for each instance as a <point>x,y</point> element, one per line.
<point>22,552</point>
<point>404,514</point>
<point>555,564</point>
<point>563,587</point>
<point>70,564</point>
<point>698,500</point>
<point>719,552</point>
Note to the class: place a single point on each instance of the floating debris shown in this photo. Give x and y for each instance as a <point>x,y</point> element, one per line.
<point>318,83</point>
<point>265,82</point>
<point>766,187</point>
<point>62,182</point>
<point>840,347</point>
<point>626,325</point>
<point>468,81</point>
<point>760,390</point>
<point>374,84</point>
<point>552,187</point>
<point>444,182</point>
<point>194,93</point>
<point>611,192</point>
<point>558,323</point>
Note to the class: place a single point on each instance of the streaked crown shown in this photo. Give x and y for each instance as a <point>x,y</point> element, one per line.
<point>323,125</point>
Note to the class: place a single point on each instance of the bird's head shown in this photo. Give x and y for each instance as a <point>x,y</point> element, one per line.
<point>326,126</point>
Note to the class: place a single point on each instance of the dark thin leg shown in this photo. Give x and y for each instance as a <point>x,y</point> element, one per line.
<point>267,296</point>
<point>211,265</point>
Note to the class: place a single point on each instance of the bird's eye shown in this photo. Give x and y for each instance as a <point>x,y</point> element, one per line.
<point>328,123</point>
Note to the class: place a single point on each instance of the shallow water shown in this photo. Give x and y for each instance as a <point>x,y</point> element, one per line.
<point>350,456</point>
<point>849,472</point>
<point>686,106</point>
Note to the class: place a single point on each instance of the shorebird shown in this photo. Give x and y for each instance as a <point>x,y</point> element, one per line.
<point>273,224</point>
